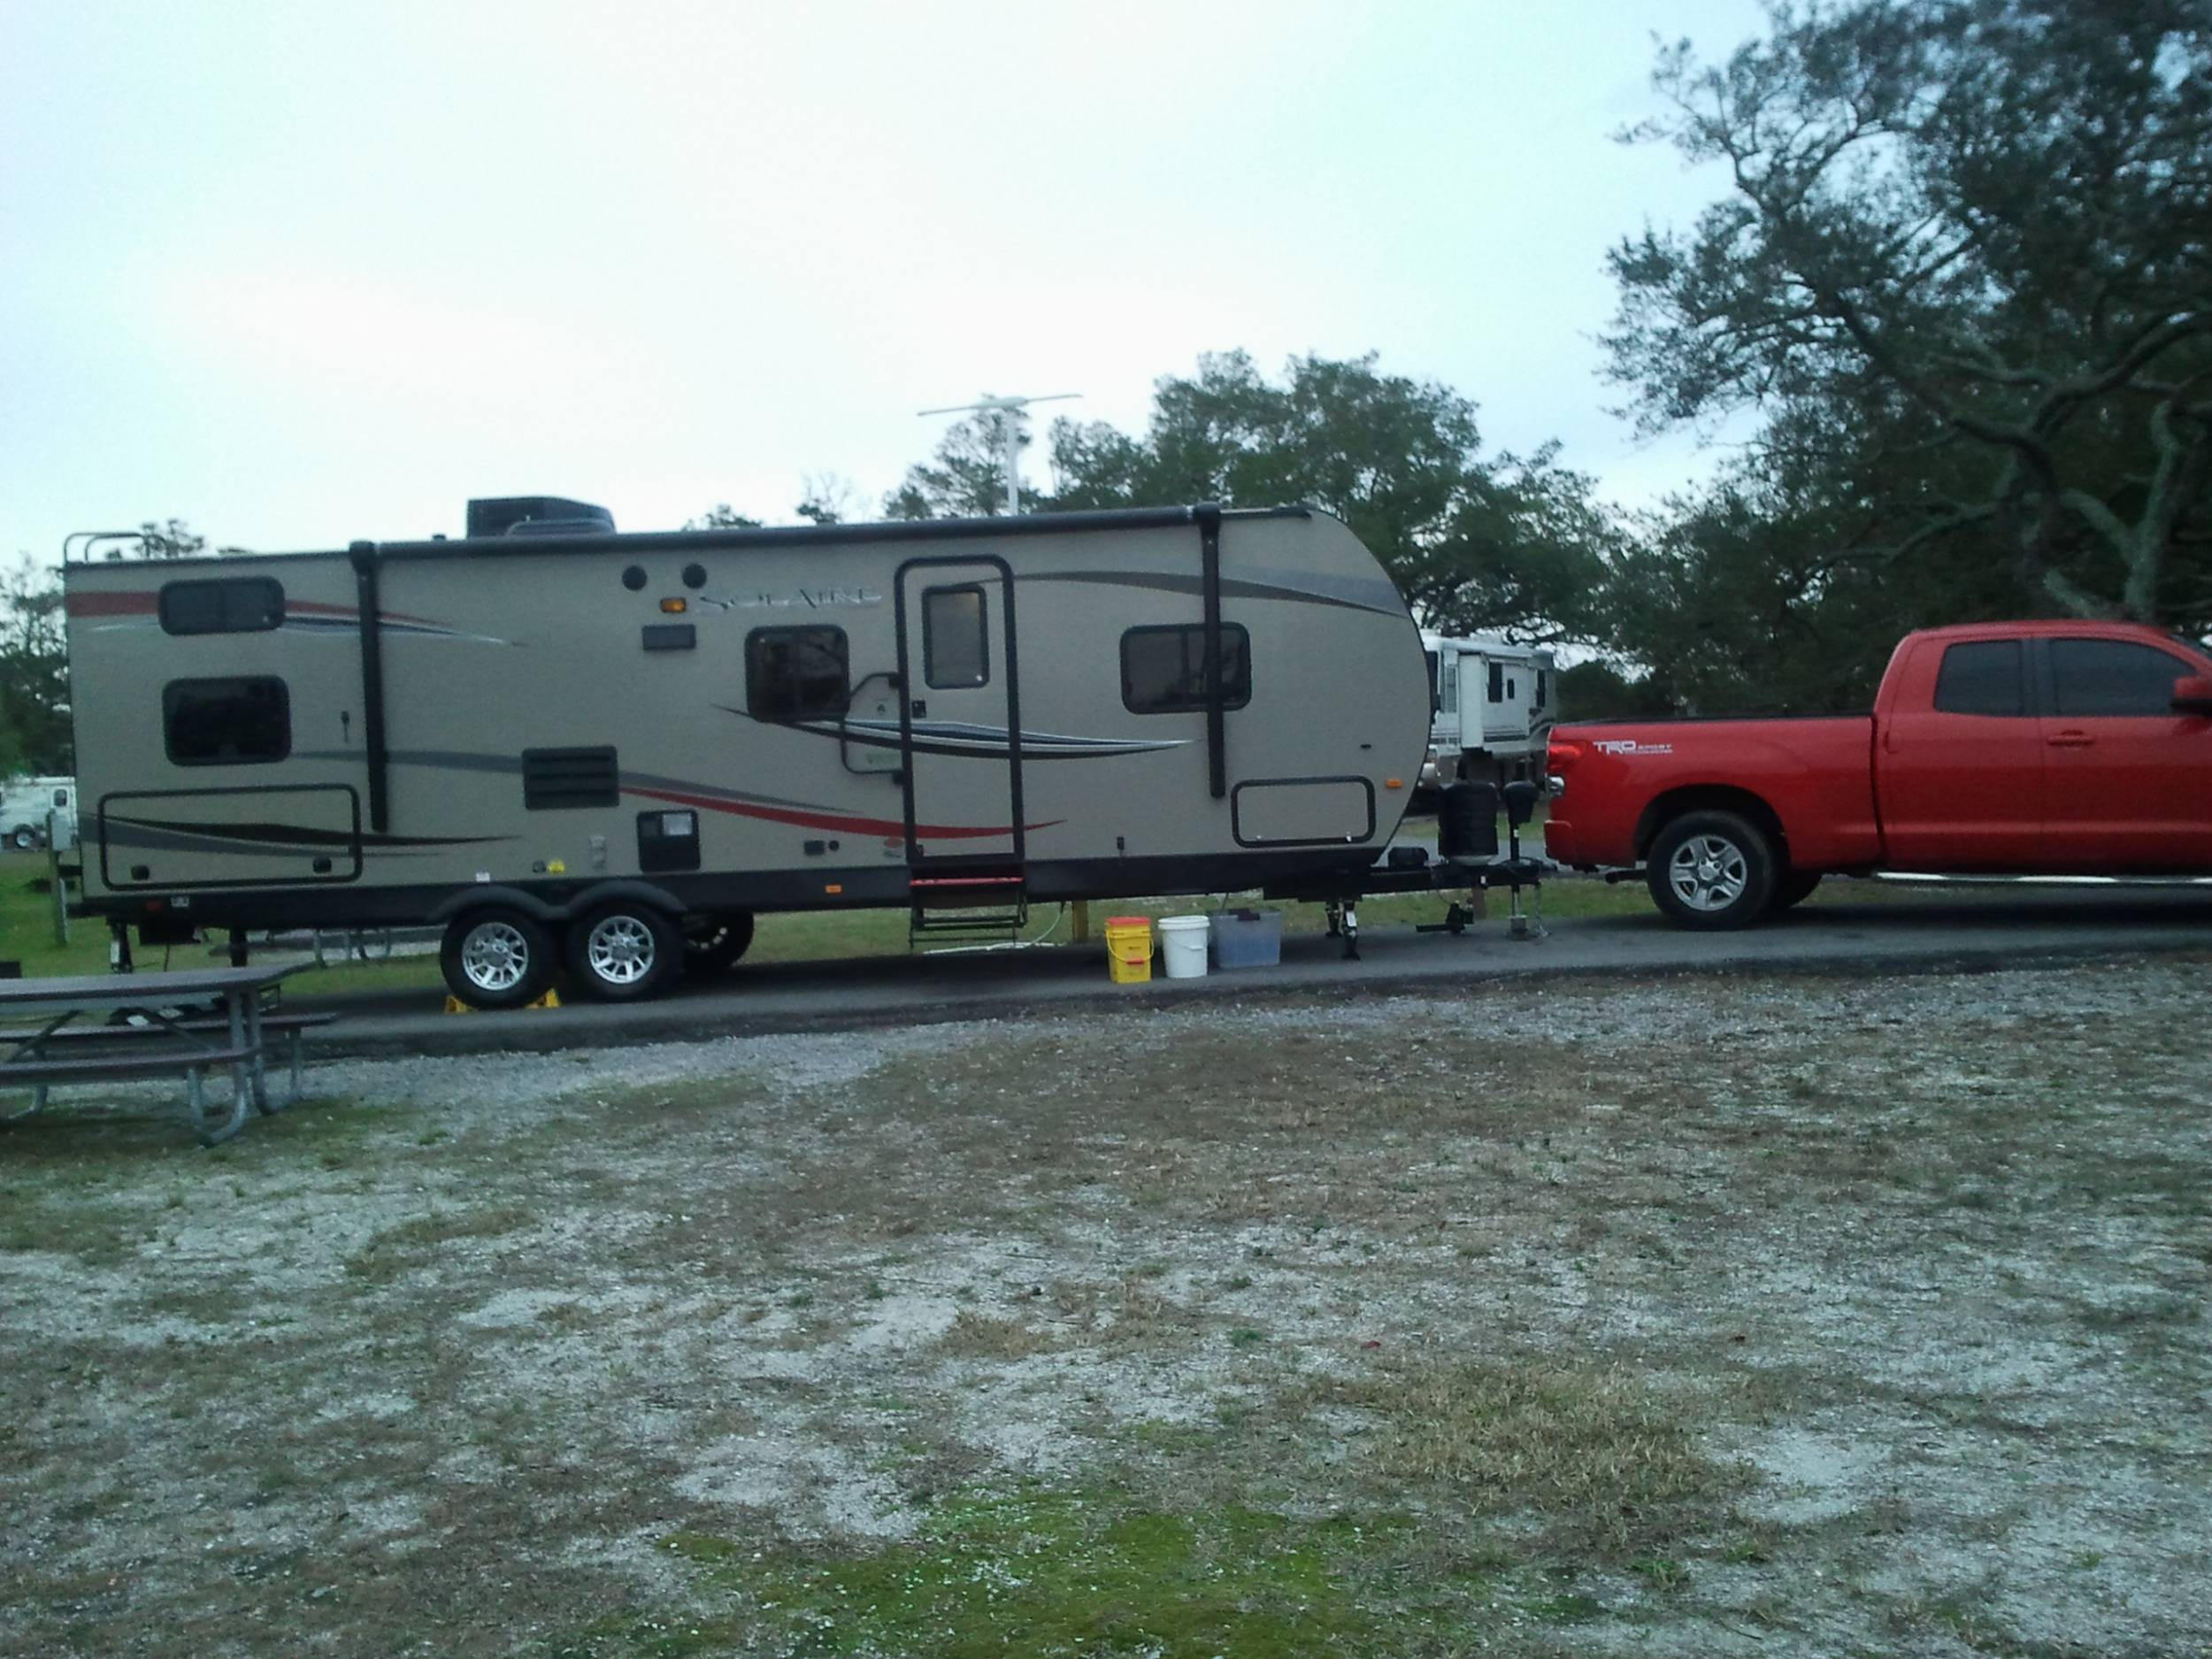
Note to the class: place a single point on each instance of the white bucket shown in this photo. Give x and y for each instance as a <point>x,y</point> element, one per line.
<point>1183,946</point>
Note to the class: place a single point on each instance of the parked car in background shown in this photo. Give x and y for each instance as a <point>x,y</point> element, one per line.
<point>2012,748</point>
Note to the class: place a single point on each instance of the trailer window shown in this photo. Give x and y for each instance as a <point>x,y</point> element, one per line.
<point>1543,687</point>
<point>956,646</point>
<point>1497,682</point>
<point>1981,677</point>
<point>226,722</point>
<point>234,604</point>
<point>795,673</point>
<point>1163,669</point>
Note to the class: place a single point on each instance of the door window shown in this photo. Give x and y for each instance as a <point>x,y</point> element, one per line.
<point>226,722</point>
<point>1497,682</point>
<point>795,673</point>
<point>1981,677</point>
<point>955,642</point>
<point>2111,678</point>
<point>1163,669</point>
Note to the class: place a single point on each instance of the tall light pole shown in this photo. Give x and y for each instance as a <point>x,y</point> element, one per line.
<point>1009,433</point>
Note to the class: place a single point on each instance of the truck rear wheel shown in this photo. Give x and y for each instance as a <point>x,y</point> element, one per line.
<point>623,952</point>
<point>496,958</point>
<point>1711,871</point>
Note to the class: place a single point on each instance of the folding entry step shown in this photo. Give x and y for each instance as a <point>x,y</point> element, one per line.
<point>971,905</point>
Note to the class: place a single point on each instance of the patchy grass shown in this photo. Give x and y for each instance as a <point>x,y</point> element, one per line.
<point>1545,1322</point>
<point>1591,1452</point>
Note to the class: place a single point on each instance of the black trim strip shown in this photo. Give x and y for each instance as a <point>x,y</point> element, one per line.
<point>363,555</point>
<point>1208,517</point>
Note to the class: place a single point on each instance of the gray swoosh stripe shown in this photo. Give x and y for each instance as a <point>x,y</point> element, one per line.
<point>1351,595</point>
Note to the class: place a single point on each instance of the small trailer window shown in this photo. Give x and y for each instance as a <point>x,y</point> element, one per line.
<point>956,648</point>
<point>1543,687</point>
<point>234,604</point>
<point>1981,677</point>
<point>795,673</point>
<point>1497,682</point>
<point>226,722</point>
<point>1163,669</point>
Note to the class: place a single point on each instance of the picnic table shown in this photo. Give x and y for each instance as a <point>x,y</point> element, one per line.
<point>152,1029</point>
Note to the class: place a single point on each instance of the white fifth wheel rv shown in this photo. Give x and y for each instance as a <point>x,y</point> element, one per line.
<point>1494,709</point>
<point>562,744</point>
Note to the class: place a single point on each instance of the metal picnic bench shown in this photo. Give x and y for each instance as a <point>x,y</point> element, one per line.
<point>155,1038</point>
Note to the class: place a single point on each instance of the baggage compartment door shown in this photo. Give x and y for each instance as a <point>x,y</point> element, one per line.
<point>195,838</point>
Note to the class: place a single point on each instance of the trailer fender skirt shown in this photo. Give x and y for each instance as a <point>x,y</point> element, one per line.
<point>569,906</point>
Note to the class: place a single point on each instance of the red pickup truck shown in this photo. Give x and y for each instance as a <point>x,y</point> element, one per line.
<point>2016,748</point>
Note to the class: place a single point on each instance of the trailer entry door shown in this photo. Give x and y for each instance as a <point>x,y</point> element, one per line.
<point>960,718</point>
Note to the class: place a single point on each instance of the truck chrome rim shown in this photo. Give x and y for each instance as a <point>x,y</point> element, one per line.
<point>620,950</point>
<point>494,957</point>
<point>1708,872</point>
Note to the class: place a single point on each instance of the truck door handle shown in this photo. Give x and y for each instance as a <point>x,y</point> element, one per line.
<point>2070,740</point>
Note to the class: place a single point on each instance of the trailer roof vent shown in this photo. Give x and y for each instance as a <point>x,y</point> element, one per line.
<point>537,515</point>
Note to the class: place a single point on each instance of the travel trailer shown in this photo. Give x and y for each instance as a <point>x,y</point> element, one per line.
<point>566,746</point>
<point>1494,709</point>
<point>24,803</point>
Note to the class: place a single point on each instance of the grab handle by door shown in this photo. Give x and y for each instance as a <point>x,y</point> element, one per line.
<point>2070,740</point>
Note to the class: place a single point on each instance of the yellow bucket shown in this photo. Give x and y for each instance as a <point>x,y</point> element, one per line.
<point>1129,949</point>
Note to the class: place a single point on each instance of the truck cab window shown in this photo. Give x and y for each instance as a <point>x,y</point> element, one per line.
<point>2114,678</point>
<point>1163,669</point>
<point>226,722</point>
<point>1981,677</point>
<point>232,604</point>
<point>795,673</point>
<point>956,646</point>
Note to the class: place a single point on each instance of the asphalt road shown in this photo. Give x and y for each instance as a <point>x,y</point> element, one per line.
<point>1919,931</point>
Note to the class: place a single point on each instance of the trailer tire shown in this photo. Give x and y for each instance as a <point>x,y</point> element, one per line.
<point>1710,871</point>
<point>713,944</point>
<point>622,951</point>
<point>1792,887</point>
<point>23,838</point>
<point>496,957</point>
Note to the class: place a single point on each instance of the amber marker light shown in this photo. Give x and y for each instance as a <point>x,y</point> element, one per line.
<point>833,886</point>
<point>1394,783</point>
<point>675,607</point>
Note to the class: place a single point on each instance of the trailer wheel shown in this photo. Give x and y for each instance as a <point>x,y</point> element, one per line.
<point>1792,887</point>
<point>23,838</point>
<point>623,952</point>
<point>496,958</point>
<point>1710,871</point>
<point>713,944</point>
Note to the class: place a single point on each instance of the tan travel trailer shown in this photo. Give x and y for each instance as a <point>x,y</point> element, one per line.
<point>565,745</point>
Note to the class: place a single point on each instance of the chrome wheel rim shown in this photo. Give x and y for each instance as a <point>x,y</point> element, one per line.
<point>1709,872</point>
<point>620,950</point>
<point>495,955</point>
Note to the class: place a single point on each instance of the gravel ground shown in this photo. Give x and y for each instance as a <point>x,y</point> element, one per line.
<point>1829,1316</point>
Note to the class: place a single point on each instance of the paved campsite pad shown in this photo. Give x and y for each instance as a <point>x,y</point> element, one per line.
<point>1708,1315</point>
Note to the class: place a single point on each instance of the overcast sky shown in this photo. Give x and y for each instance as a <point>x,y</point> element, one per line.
<point>304,273</point>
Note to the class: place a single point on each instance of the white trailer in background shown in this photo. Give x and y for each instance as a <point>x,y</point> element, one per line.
<point>24,805</point>
<point>1493,708</point>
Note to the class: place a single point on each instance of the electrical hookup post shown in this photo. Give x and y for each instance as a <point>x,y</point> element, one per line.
<point>57,827</point>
